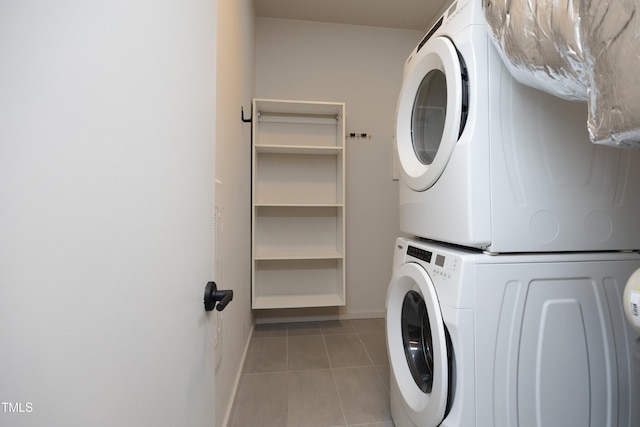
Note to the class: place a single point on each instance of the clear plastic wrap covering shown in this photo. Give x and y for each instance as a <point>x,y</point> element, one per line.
<point>540,42</point>
<point>577,50</point>
<point>612,30</point>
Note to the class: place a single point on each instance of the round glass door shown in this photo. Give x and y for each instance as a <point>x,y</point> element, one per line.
<point>430,111</point>
<point>418,344</point>
<point>428,116</point>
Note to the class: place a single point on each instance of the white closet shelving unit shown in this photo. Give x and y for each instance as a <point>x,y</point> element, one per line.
<point>298,237</point>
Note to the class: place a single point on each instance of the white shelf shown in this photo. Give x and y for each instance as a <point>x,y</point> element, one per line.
<point>298,149</point>
<point>288,178</point>
<point>298,283</point>
<point>298,236</point>
<point>298,229</point>
<point>298,108</point>
<point>266,254</point>
<point>297,301</point>
<point>298,205</point>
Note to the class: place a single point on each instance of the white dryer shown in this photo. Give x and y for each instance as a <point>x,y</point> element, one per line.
<point>520,340</point>
<point>489,163</point>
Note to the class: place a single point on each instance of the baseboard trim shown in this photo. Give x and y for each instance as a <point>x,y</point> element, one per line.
<point>236,384</point>
<point>318,318</point>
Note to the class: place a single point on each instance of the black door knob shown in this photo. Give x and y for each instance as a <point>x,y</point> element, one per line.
<point>212,296</point>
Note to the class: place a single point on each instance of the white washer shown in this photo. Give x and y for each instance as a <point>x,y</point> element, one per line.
<point>520,340</point>
<point>489,163</point>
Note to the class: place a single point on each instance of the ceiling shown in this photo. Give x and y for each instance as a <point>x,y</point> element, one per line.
<point>406,14</point>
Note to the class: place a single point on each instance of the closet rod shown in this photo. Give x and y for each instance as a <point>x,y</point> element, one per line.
<point>302,115</point>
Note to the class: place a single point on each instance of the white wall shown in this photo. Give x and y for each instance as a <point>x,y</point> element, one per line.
<point>361,66</point>
<point>236,71</point>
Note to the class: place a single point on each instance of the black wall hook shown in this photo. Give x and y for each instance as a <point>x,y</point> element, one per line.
<point>250,119</point>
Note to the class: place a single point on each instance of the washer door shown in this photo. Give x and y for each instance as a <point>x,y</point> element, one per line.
<point>431,109</point>
<point>417,345</point>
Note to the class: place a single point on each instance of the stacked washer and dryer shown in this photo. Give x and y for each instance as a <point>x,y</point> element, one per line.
<point>505,307</point>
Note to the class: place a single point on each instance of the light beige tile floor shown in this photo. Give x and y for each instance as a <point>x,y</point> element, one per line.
<point>315,374</point>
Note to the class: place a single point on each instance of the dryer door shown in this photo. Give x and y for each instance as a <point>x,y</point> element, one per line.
<point>417,346</point>
<point>431,112</point>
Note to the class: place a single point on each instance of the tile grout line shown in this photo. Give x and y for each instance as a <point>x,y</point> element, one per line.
<point>364,347</point>
<point>286,368</point>
<point>373,364</point>
<point>333,377</point>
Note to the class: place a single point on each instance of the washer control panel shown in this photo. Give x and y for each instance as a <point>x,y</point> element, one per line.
<point>422,254</point>
<point>439,265</point>
<point>445,266</point>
